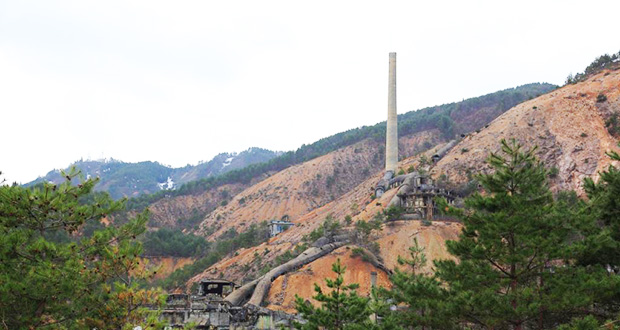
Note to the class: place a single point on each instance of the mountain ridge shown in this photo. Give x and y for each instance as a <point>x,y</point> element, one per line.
<point>126,179</point>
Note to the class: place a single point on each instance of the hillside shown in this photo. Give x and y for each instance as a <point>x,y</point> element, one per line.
<point>122,179</point>
<point>197,199</point>
<point>572,127</point>
<point>357,203</point>
<point>302,188</point>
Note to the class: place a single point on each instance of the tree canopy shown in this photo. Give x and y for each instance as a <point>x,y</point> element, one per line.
<point>53,276</point>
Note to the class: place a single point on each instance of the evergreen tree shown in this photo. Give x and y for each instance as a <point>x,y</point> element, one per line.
<point>602,250</point>
<point>515,255</point>
<point>420,297</point>
<point>340,309</point>
<point>605,205</point>
<point>51,277</point>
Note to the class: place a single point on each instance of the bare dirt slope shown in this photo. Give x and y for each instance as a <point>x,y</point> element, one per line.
<point>302,189</point>
<point>284,288</point>
<point>568,125</point>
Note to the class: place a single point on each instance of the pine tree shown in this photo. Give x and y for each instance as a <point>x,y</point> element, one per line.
<point>515,264</point>
<point>340,309</point>
<point>52,276</point>
<point>421,299</point>
<point>605,205</point>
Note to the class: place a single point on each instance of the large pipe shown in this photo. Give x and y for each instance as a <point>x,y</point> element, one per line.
<point>407,185</point>
<point>444,150</point>
<point>391,139</point>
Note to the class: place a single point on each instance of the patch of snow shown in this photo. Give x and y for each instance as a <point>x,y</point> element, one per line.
<point>169,184</point>
<point>227,161</point>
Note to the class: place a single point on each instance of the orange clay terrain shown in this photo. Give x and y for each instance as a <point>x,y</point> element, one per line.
<point>282,297</point>
<point>568,125</point>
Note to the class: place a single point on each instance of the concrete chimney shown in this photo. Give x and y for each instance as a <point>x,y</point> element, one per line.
<point>391,138</point>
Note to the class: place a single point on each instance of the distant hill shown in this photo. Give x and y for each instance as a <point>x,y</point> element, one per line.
<point>122,179</point>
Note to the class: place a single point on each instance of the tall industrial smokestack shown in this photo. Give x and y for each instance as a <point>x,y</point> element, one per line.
<point>391,138</point>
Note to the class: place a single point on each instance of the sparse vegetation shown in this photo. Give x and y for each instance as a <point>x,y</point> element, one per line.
<point>392,213</point>
<point>328,228</point>
<point>360,252</point>
<point>600,63</point>
<point>612,124</point>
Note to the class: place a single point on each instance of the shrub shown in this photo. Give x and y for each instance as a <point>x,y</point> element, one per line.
<point>612,124</point>
<point>348,220</point>
<point>553,172</point>
<point>601,98</point>
<point>393,212</point>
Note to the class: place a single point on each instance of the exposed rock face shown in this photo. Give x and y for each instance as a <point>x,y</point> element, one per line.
<point>567,125</point>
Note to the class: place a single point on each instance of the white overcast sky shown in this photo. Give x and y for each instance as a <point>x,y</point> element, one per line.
<point>180,81</point>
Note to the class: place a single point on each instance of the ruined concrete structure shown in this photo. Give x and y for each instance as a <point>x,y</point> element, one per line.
<point>278,226</point>
<point>416,194</point>
<point>208,309</point>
